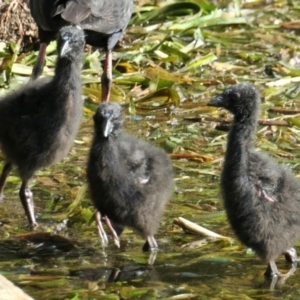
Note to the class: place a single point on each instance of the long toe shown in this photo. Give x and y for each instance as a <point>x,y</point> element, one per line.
<point>102,235</point>
<point>290,272</point>
<point>280,280</point>
<point>113,232</point>
<point>101,231</point>
<point>117,242</point>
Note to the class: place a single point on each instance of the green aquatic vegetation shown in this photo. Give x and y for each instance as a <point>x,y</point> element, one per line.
<point>173,59</point>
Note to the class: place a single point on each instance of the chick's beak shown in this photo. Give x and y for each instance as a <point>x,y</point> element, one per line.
<point>216,101</point>
<point>65,48</point>
<point>107,127</point>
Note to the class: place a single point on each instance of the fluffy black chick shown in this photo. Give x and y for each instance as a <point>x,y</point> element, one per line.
<point>104,21</point>
<point>262,198</point>
<point>130,180</point>
<point>39,121</point>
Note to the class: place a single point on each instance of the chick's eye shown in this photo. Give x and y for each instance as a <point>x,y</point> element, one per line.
<point>108,114</point>
<point>66,36</point>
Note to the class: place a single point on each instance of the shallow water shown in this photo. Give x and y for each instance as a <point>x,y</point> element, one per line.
<point>64,259</point>
<point>79,268</point>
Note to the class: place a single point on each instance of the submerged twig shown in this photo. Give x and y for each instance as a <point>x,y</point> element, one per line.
<point>192,227</point>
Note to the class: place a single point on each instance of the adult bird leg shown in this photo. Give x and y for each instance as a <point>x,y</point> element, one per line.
<point>27,202</point>
<point>106,77</point>
<point>39,64</point>
<point>113,232</point>
<point>6,169</point>
<point>101,231</point>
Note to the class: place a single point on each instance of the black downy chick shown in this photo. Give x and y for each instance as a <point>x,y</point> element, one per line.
<point>262,198</point>
<point>104,21</point>
<point>130,180</point>
<point>39,121</point>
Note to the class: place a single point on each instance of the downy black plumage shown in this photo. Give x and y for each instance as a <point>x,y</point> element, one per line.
<point>130,180</point>
<point>262,198</point>
<point>39,121</point>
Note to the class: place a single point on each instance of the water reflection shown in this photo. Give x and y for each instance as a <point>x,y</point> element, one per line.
<point>86,269</point>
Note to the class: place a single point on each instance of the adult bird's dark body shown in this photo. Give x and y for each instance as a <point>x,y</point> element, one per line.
<point>261,198</point>
<point>130,180</point>
<point>39,121</point>
<point>104,21</point>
